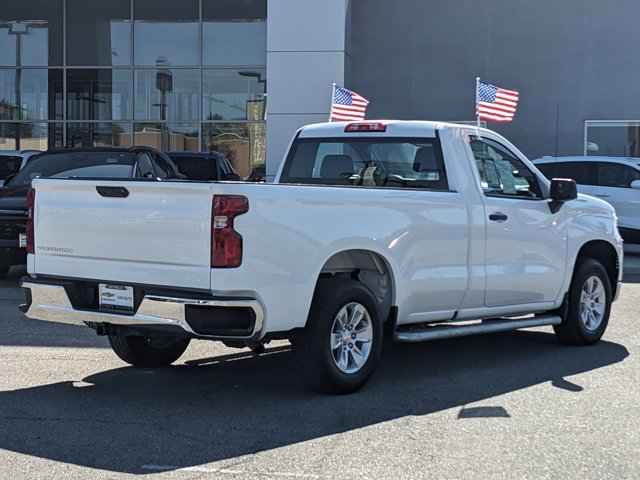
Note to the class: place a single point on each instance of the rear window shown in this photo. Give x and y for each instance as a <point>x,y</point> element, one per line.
<point>369,162</point>
<point>9,164</point>
<point>76,164</point>
<point>196,168</point>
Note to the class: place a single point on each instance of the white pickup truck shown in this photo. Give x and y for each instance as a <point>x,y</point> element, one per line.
<point>420,230</point>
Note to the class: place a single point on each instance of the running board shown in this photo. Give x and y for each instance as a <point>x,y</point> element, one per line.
<point>436,332</point>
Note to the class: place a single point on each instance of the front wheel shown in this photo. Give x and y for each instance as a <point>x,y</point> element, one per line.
<point>342,341</point>
<point>589,305</point>
<point>148,351</point>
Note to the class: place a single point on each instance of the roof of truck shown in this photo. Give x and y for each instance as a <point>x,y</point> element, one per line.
<point>394,128</point>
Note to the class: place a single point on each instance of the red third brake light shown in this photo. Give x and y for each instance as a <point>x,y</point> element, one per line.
<point>31,200</point>
<point>226,243</point>
<point>366,127</point>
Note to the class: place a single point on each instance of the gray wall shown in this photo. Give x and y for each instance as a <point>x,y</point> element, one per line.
<point>417,59</point>
<point>305,55</point>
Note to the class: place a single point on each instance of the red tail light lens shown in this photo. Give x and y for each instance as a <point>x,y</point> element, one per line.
<point>31,200</point>
<point>226,243</point>
<point>366,127</point>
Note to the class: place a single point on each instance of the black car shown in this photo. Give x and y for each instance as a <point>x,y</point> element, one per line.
<point>134,162</point>
<point>207,166</point>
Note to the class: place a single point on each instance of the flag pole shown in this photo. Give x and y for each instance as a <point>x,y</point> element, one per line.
<point>333,94</point>
<point>477,113</point>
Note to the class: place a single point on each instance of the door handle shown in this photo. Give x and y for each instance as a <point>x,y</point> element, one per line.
<point>117,192</point>
<point>602,195</point>
<point>498,217</point>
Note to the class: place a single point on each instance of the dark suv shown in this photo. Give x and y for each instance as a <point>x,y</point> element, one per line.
<point>134,162</point>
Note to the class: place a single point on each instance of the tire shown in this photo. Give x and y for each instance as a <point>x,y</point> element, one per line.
<point>342,341</point>
<point>590,298</point>
<point>148,351</point>
<point>4,271</point>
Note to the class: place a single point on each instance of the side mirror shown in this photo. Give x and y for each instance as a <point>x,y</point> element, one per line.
<point>635,184</point>
<point>562,190</point>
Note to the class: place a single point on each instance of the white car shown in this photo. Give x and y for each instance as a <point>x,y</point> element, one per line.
<point>613,179</point>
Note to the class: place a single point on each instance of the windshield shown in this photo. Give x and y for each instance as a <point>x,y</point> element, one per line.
<point>76,164</point>
<point>369,162</point>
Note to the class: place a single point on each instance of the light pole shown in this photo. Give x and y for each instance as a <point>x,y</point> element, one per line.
<point>164,83</point>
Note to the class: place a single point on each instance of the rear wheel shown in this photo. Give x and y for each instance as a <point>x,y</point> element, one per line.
<point>148,351</point>
<point>589,305</point>
<point>342,341</point>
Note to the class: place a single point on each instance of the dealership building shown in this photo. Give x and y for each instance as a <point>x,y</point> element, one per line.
<point>240,76</point>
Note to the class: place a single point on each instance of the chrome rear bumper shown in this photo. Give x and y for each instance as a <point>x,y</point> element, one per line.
<point>50,302</point>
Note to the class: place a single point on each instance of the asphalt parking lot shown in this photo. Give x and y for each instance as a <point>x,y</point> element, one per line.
<point>504,406</point>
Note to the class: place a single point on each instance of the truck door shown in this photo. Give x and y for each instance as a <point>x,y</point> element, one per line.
<point>526,245</point>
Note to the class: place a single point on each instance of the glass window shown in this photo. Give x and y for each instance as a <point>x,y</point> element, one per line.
<point>609,138</point>
<point>98,134</point>
<point>233,94</point>
<point>501,173</point>
<point>233,141</point>
<point>98,95</point>
<point>166,94</point>
<point>392,162</point>
<point>166,32</point>
<point>144,167</point>
<point>616,175</point>
<point>581,172</point>
<point>234,32</point>
<point>9,164</point>
<point>98,32</point>
<point>37,91</point>
<point>175,137</point>
<point>30,136</point>
<point>31,33</point>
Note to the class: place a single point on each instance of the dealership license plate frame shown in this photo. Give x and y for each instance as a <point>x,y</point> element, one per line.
<point>115,298</point>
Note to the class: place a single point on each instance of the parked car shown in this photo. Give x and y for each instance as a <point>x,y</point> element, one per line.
<point>132,162</point>
<point>13,160</point>
<point>258,174</point>
<point>206,166</point>
<point>425,229</point>
<point>614,179</point>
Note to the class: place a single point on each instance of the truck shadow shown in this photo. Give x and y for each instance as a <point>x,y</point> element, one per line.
<point>142,421</point>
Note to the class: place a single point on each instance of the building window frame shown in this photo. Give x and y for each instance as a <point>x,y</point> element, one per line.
<point>607,123</point>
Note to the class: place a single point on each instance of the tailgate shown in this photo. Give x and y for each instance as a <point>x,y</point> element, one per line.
<point>133,232</point>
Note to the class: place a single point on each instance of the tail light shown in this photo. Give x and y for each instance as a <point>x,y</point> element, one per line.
<point>226,243</point>
<point>31,200</point>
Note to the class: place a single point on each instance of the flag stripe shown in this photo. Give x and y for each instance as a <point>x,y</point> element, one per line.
<point>493,106</point>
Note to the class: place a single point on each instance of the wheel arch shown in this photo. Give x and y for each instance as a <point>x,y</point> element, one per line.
<point>369,267</point>
<point>605,253</point>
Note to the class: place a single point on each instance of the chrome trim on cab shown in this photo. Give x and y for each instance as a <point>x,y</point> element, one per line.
<point>51,303</point>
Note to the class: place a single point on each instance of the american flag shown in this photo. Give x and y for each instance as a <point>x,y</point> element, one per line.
<point>496,104</point>
<point>347,105</point>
